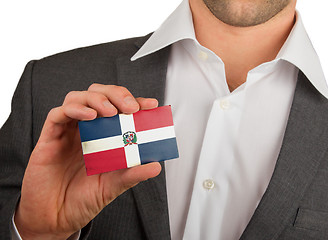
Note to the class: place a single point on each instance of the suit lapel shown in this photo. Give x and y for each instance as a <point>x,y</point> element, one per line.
<point>151,200</point>
<point>146,77</point>
<point>303,148</point>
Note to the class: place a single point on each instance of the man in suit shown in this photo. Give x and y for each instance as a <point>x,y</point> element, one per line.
<point>241,72</point>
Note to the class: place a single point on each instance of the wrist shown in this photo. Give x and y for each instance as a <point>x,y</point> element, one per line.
<point>26,233</point>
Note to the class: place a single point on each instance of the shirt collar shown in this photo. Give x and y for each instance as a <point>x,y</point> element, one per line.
<point>297,49</point>
<point>176,27</point>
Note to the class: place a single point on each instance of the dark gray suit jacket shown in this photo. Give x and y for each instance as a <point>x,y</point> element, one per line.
<point>295,205</point>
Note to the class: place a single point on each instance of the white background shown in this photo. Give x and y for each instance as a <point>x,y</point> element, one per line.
<point>37,28</point>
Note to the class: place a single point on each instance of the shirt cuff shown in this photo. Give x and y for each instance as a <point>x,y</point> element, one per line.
<point>16,236</point>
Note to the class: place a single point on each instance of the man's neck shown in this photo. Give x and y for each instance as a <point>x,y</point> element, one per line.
<point>241,48</point>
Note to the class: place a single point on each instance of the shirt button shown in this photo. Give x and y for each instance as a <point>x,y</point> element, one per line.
<point>224,104</point>
<point>208,184</point>
<point>203,55</point>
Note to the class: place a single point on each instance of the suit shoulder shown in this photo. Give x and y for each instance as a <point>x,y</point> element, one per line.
<point>104,52</point>
<point>92,62</point>
<point>77,69</point>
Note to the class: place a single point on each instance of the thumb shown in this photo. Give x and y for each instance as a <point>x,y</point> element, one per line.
<point>122,180</point>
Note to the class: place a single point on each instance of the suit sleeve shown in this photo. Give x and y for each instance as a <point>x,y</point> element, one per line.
<point>16,145</point>
<point>15,149</point>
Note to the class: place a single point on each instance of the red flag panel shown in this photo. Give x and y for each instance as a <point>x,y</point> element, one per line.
<point>105,161</point>
<point>154,118</point>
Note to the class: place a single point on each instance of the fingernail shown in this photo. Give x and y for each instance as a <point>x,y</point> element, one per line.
<point>130,101</point>
<point>88,110</point>
<point>92,113</point>
<point>153,101</point>
<point>107,104</point>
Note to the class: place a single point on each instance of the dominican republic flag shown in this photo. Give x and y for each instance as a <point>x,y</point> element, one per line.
<point>124,141</point>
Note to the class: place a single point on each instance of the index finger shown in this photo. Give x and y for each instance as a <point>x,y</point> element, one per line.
<point>119,96</point>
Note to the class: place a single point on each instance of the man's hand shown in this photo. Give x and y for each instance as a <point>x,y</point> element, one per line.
<point>57,197</point>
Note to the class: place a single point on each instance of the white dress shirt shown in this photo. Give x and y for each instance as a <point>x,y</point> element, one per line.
<point>228,141</point>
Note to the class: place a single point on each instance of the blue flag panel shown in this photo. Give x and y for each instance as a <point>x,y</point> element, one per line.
<point>100,128</point>
<point>158,151</point>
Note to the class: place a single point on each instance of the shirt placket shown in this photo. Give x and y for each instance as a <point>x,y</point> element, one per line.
<point>217,156</point>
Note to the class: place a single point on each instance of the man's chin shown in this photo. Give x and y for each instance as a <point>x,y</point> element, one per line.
<point>240,13</point>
